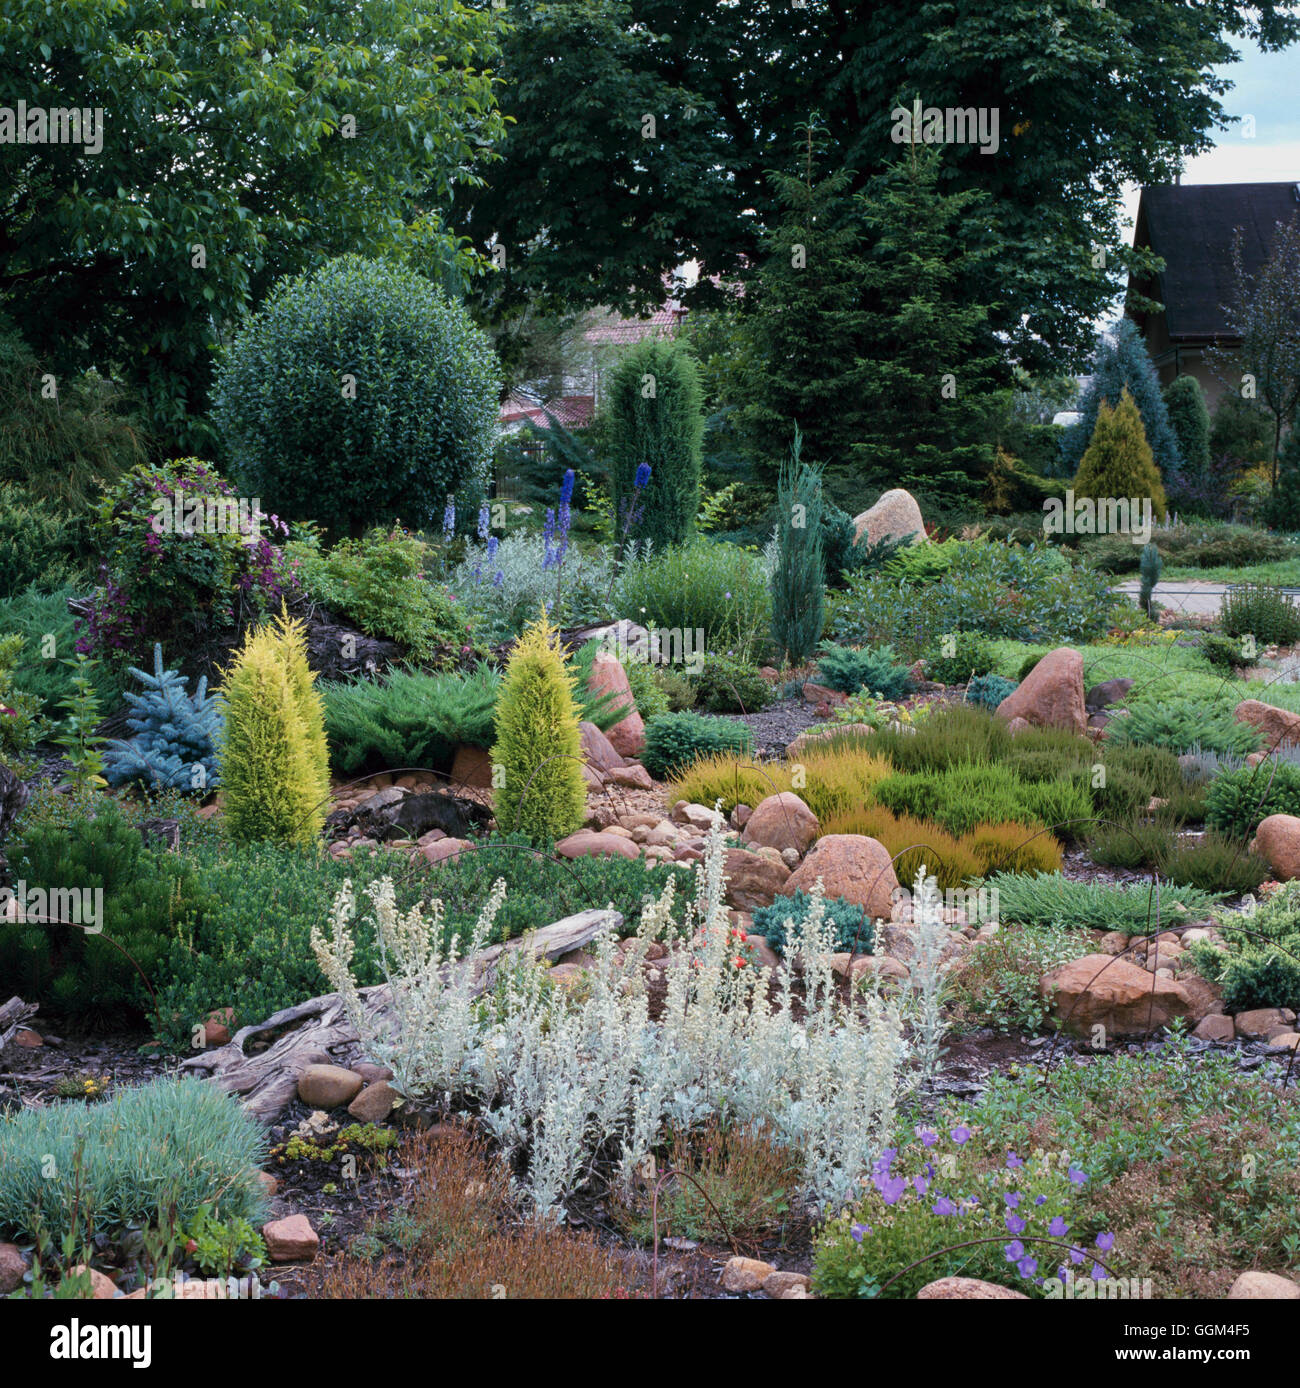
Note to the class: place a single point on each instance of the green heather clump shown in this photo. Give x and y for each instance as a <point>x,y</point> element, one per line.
<point>175,1143</point>
<point>1049,898</point>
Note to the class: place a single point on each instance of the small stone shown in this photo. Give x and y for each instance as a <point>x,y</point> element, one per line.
<point>1113,942</point>
<point>290,1240</point>
<point>967,1289</point>
<point>444,850</point>
<point>778,1283</point>
<point>12,1268</point>
<point>371,1072</point>
<point>745,1274</point>
<point>268,1183</point>
<point>1286,1039</point>
<point>1263,1286</point>
<point>1215,1027</point>
<point>1260,1023</point>
<point>101,1288</point>
<point>328,1086</point>
<point>216,1026</point>
<point>764,956</point>
<point>374,1103</point>
<point>28,1039</point>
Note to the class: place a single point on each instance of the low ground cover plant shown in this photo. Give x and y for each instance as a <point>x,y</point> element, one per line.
<point>995,985</point>
<point>1020,1218</point>
<point>1178,724</point>
<point>1041,898</point>
<point>180,1143</point>
<point>875,670</point>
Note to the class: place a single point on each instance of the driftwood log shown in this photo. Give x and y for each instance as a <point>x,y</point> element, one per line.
<point>318,1031</point>
<point>14,1014</point>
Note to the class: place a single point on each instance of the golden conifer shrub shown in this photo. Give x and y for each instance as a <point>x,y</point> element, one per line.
<point>1119,462</point>
<point>272,755</point>
<point>538,752</point>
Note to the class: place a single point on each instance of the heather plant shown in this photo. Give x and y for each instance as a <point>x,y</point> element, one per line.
<point>1265,613</point>
<point>101,1168</point>
<point>1140,908</point>
<point>835,776</point>
<point>174,734</point>
<point>538,743</point>
<point>564,1079</point>
<point>946,1189</point>
<point>272,756</point>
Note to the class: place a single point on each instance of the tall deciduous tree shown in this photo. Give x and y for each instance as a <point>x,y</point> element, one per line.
<point>594,204</point>
<point>241,140</point>
<point>1266,315</point>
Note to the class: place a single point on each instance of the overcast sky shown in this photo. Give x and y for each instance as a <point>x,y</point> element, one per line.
<point>1266,86</point>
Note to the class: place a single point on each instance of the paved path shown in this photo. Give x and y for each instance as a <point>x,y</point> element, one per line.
<point>1193,596</point>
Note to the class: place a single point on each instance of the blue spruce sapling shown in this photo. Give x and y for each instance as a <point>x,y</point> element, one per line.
<point>174,731</point>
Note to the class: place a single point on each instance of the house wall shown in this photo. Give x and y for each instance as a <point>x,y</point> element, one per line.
<point>1171,360</point>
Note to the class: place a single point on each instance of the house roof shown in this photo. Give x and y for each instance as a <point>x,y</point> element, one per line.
<point>1192,226</point>
<point>572,411</point>
<point>628,331</point>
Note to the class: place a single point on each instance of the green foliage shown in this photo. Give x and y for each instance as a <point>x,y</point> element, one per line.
<point>1204,545</point>
<point>1241,436</point>
<point>1122,365</point>
<point>48,630</point>
<point>1214,863</point>
<point>877,670</point>
<point>40,545</point>
<point>655,417</point>
<point>705,586</point>
<point>75,731</point>
<point>1189,418</point>
<point>272,755</point>
<point>988,691</point>
<point>968,794</point>
<point>75,972</point>
<point>408,718</point>
<point>538,744</point>
<point>1134,842</point>
<point>1237,801</point>
<point>1263,978</point>
<point>996,983</point>
<point>419,425</point>
<point>57,450</point>
<point>1028,593</point>
<point>179,1144</point>
<point>1222,651</point>
<point>674,740</point>
<point>1043,898</point>
<point>972,654</point>
<point>1179,723</point>
<point>146,297</point>
<point>853,929</point>
<point>379,583</point>
<point>1261,611</point>
<point>799,575</point>
<point>1283,507</point>
<point>21,725</point>
<point>729,686</point>
<point>1149,567</point>
<point>931,1205</point>
<point>1118,461</point>
<point>173,734</point>
<point>169,576</point>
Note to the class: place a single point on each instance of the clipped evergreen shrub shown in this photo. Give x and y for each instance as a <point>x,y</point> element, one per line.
<point>655,408</point>
<point>272,756</point>
<point>538,743</point>
<point>1118,462</point>
<point>878,671</point>
<point>358,394</point>
<point>674,740</point>
<point>1189,418</point>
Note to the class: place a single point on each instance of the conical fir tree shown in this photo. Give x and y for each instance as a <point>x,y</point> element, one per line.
<point>1122,363</point>
<point>538,752</point>
<point>1189,418</point>
<point>1119,463</point>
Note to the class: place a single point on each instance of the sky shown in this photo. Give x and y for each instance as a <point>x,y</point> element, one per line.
<point>1266,86</point>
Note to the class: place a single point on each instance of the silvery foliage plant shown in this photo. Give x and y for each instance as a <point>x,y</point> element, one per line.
<point>570,1077</point>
